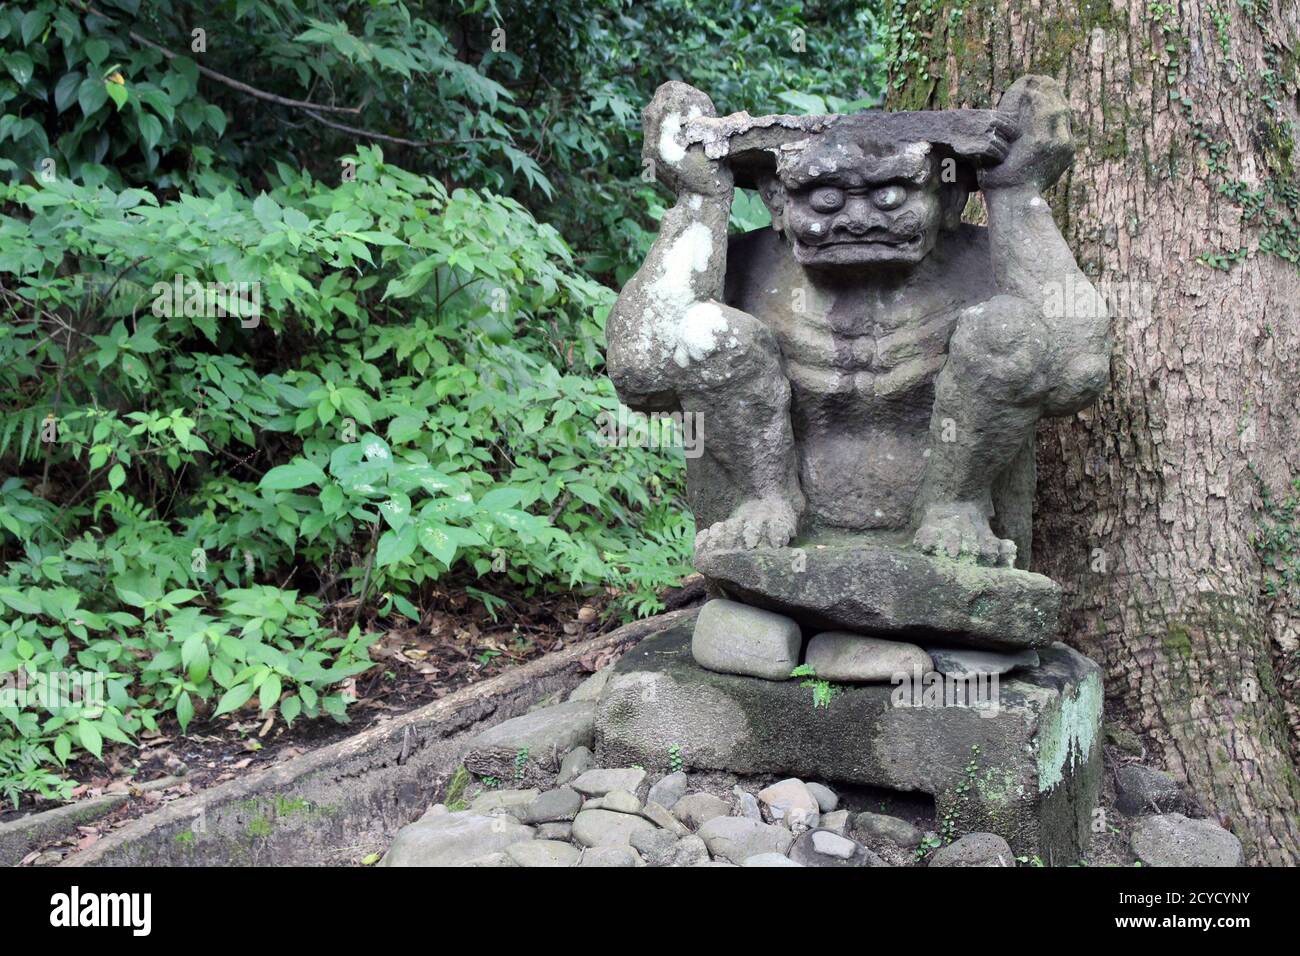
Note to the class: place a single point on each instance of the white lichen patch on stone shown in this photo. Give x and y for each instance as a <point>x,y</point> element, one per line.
<point>1068,733</point>
<point>673,292</point>
<point>671,151</point>
<point>699,332</point>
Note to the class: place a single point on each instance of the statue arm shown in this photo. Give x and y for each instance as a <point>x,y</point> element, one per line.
<point>687,263</point>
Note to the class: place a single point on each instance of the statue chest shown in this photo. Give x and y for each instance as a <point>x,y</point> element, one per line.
<point>868,354</point>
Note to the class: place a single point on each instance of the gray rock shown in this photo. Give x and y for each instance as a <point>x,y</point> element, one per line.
<point>975,849</point>
<point>554,806</point>
<point>598,782</point>
<point>827,799</point>
<point>967,662</point>
<point>823,848</point>
<point>607,828</point>
<point>575,763</point>
<point>620,801</point>
<point>690,851</point>
<point>497,859</point>
<point>538,853</point>
<point>791,804</point>
<point>610,856</point>
<point>747,804</point>
<point>668,790</point>
<point>737,639</point>
<point>855,659</point>
<point>662,818</point>
<point>528,749</point>
<point>737,839</point>
<point>828,843</point>
<point>882,826</point>
<point>769,859</point>
<point>454,839</point>
<point>1140,789</point>
<point>696,809</point>
<point>590,688</point>
<point>490,801</point>
<point>837,821</point>
<point>657,847</point>
<point>1172,839</point>
<point>555,831</point>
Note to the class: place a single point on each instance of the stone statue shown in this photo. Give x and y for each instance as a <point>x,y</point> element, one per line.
<point>869,373</point>
<point>871,369</point>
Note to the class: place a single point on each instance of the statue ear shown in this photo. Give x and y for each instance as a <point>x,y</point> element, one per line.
<point>774,197</point>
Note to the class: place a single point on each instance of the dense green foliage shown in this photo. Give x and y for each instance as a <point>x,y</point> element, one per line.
<point>268,385</point>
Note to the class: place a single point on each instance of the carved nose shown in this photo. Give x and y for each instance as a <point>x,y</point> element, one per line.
<point>858,218</point>
<point>851,224</point>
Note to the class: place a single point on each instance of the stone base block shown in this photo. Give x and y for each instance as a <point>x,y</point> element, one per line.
<point>1024,762</point>
<point>883,588</point>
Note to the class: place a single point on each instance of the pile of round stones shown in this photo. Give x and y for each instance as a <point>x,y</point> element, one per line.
<point>597,816</point>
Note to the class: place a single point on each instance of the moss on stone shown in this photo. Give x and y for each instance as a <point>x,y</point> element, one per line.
<point>1068,732</point>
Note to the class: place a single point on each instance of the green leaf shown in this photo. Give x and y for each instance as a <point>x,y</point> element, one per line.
<point>65,91</point>
<point>184,710</point>
<point>396,510</point>
<point>18,601</point>
<point>117,93</point>
<point>33,23</point>
<point>296,474</point>
<point>269,693</point>
<point>331,499</point>
<point>91,94</point>
<point>233,699</point>
<point>290,709</point>
<point>63,747</point>
<point>435,539</point>
<point>90,738</point>
<point>395,546</point>
<point>116,476</point>
<point>96,50</point>
<point>20,67</point>
<point>150,128</point>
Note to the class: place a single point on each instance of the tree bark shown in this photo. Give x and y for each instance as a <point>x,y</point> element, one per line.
<point>1149,504</point>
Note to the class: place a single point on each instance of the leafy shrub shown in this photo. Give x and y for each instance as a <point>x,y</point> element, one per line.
<point>414,398</point>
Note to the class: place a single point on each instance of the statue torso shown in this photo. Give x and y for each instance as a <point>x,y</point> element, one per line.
<point>862,360</point>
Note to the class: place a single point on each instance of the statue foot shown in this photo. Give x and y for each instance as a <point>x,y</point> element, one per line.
<point>762,522</point>
<point>961,530</point>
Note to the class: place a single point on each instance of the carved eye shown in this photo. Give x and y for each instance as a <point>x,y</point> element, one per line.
<point>889,197</point>
<point>826,199</point>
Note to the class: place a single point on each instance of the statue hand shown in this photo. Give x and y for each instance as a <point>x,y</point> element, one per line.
<point>682,168</point>
<point>1044,148</point>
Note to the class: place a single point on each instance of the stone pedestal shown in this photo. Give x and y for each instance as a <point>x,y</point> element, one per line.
<point>1020,757</point>
<point>877,586</point>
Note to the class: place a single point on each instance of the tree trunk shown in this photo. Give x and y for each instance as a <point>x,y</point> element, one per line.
<point>1183,202</point>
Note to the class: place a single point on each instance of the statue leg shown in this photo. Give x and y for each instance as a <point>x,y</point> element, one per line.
<point>723,367</point>
<point>988,398</point>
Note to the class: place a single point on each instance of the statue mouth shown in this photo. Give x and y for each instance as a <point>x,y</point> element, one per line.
<point>890,241</point>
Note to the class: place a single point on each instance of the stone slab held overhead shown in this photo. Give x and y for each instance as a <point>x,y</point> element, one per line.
<point>1027,766</point>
